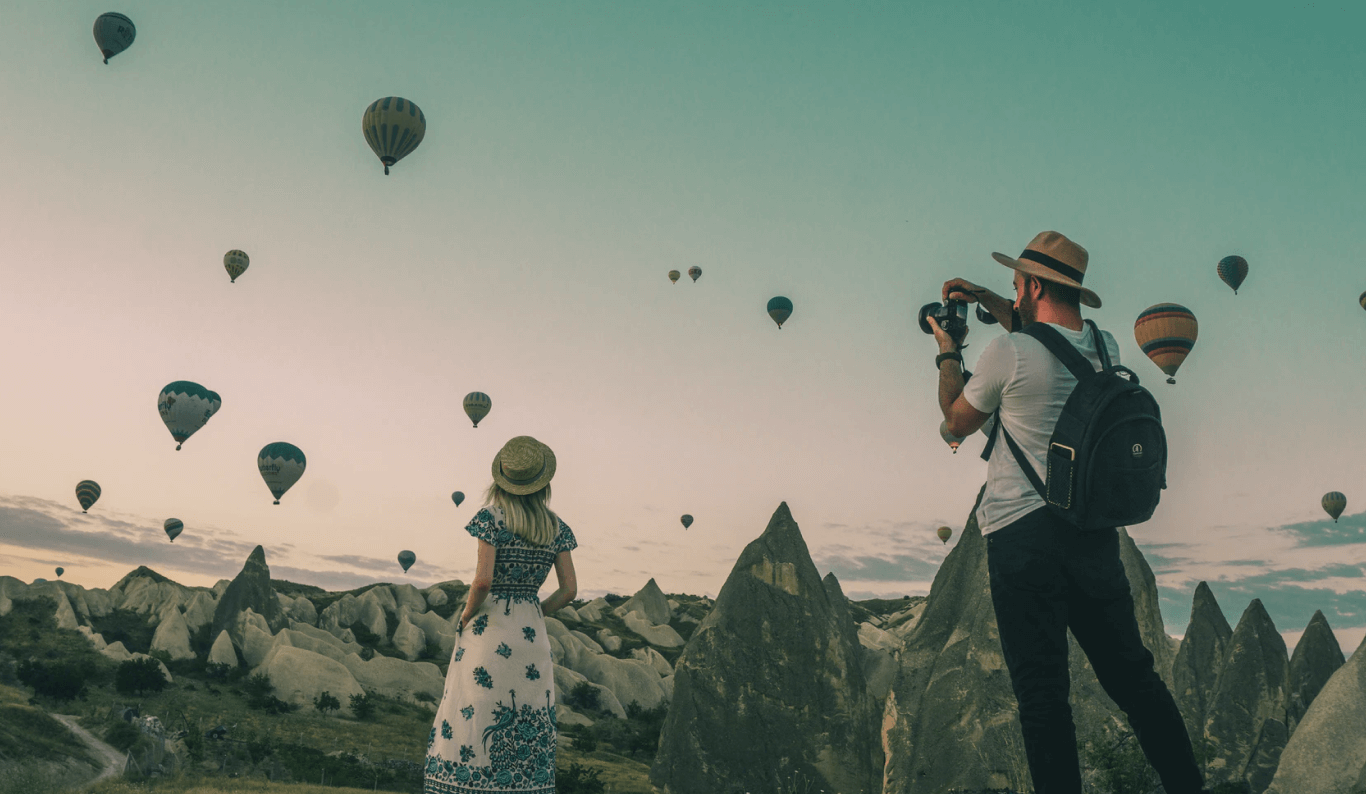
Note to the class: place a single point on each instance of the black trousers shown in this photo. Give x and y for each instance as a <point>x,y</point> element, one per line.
<point>1048,576</point>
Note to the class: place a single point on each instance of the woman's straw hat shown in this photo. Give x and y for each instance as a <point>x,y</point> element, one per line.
<point>523,466</point>
<point>1052,257</point>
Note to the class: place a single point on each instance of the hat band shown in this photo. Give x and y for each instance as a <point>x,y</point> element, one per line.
<point>1053,264</point>
<point>522,480</point>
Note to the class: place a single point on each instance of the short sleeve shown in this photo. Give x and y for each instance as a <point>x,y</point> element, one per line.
<point>483,526</point>
<point>564,539</point>
<point>995,368</point>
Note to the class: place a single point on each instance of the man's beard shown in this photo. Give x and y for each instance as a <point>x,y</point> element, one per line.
<point>1028,310</point>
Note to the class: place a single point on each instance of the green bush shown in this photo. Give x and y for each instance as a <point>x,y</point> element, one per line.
<point>139,676</point>
<point>578,779</point>
<point>325,702</point>
<point>585,741</point>
<point>122,735</point>
<point>127,627</point>
<point>57,680</point>
<point>363,706</point>
<point>583,697</point>
<point>1120,764</point>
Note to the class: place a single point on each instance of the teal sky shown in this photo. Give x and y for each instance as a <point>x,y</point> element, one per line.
<point>851,158</point>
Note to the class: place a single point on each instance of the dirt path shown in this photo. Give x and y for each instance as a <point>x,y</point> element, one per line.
<point>113,759</point>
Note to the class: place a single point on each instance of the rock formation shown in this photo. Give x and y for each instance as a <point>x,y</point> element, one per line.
<point>300,675</point>
<point>650,603</point>
<point>1317,656</point>
<point>1199,660</point>
<point>222,651</point>
<point>951,720</point>
<point>250,589</point>
<point>409,639</point>
<point>1327,752</point>
<point>173,636</point>
<point>1245,730</point>
<point>663,636</point>
<point>769,690</point>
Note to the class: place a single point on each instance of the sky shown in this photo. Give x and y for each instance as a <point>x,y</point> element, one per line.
<point>850,158</point>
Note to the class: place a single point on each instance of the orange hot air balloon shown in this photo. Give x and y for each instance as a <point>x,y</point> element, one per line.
<point>944,534</point>
<point>673,276</point>
<point>1166,333</point>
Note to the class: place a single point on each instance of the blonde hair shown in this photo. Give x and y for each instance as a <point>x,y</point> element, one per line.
<point>527,516</point>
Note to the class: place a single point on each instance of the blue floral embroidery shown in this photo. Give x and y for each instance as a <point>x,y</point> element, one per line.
<point>432,739</point>
<point>466,753</point>
<point>446,730</point>
<point>482,678</point>
<point>503,650</point>
<point>459,653</point>
<point>529,634</point>
<point>519,568</point>
<point>481,623</point>
<point>531,674</point>
<point>467,712</point>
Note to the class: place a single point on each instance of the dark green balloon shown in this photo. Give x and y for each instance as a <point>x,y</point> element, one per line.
<point>780,309</point>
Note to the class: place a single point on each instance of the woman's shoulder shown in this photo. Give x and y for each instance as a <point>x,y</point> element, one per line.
<point>485,524</point>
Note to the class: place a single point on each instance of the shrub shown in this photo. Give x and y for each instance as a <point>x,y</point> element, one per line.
<point>127,627</point>
<point>585,741</point>
<point>217,671</point>
<point>363,706</point>
<point>258,687</point>
<point>1120,764</point>
<point>122,735</point>
<point>325,702</point>
<point>578,779</point>
<point>583,697</point>
<point>139,676</point>
<point>57,680</point>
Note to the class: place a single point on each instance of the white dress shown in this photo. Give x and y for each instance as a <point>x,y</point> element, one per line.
<point>495,729</point>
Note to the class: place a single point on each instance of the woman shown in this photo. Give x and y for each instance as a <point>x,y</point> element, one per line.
<point>495,730</point>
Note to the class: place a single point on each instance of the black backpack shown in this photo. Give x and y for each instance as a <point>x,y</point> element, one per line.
<point>1107,459</point>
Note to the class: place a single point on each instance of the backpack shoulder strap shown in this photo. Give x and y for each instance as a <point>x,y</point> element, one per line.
<point>1065,351</point>
<point>1101,350</point>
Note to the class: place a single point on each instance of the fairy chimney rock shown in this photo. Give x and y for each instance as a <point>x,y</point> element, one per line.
<point>1328,750</point>
<point>1198,662</point>
<point>251,588</point>
<point>651,603</point>
<point>774,659</point>
<point>1317,656</point>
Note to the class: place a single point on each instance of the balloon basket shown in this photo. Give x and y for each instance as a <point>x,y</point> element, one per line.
<point>1171,380</point>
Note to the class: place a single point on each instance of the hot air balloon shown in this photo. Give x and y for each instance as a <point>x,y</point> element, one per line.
<point>406,559</point>
<point>1334,503</point>
<point>60,571</point>
<point>695,272</point>
<point>687,520</point>
<point>780,309</point>
<point>114,33</point>
<point>281,466</point>
<point>87,493</point>
<point>458,497</point>
<point>944,534</point>
<point>236,263</point>
<point>1166,333</point>
<point>949,438</point>
<point>185,407</point>
<point>393,126</point>
<point>1232,269</point>
<point>1362,300</point>
<point>173,527</point>
<point>477,406</point>
<point>673,276</point>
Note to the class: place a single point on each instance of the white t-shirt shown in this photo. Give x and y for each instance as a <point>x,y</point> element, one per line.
<point>1030,385</point>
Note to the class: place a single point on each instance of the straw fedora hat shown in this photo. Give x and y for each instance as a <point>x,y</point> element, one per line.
<point>523,466</point>
<point>1052,257</point>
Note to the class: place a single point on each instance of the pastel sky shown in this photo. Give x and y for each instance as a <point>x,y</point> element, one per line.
<point>849,157</point>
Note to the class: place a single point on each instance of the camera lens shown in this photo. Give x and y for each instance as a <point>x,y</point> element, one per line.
<point>925,312</point>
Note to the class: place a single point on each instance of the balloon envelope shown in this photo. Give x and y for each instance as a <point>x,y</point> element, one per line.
<point>281,465</point>
<point>114,33</point>
<point>477,406</point>
<point>673,276</point>
<point>1166,333</point>
<point>780,309</point>
<point>185,407</point>
<point>944,534</point>
<point>393,126</point>
<point>1334,503</point>
<point>1362,300</point>
<point>458,497</point>
<point>1232,269</point>
<point>173,527</point>
<point>87,493</point>
<point>687,520</point>
<point>949,438</point>
<point>236,263</point>
<point>406,559</point>
<point>60,571</point>
<point>695,272</point>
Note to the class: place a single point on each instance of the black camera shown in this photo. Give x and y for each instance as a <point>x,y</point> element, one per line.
<point>952,317</point>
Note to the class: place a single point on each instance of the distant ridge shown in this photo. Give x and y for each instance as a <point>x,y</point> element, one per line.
<point>144,571</point>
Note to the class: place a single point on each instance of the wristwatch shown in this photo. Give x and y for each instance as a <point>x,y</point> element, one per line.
<point>951,355</point>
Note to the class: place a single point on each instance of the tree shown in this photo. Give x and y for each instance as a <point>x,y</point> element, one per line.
<point>363,706</point>
<point>325,702</point>
<point>583,697</point>
<point>139,676</point>
<point>578,779</point>
<point>58,680</point>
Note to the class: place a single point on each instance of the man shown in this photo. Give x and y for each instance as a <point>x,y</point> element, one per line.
<point>1046,574</point>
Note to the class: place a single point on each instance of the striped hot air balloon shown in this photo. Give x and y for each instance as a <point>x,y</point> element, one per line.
<point>1333,504</point>
<point>87,493</point>
<point>780,309</point>
<point>114,33</point>
<point>1166,333</point>
<point>944,534</point>
<point>393,127</point>
<point>281,465</point>
<point>1232,269</point>
<point>674,275</point>
<point>236,263</point>
<point>406,559</point>
<point>695,272</point>
<point>185,407</point>
<point>477,406</point>
<point>173,527</point>
<point>686,520</point>
<point>949,438</point>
